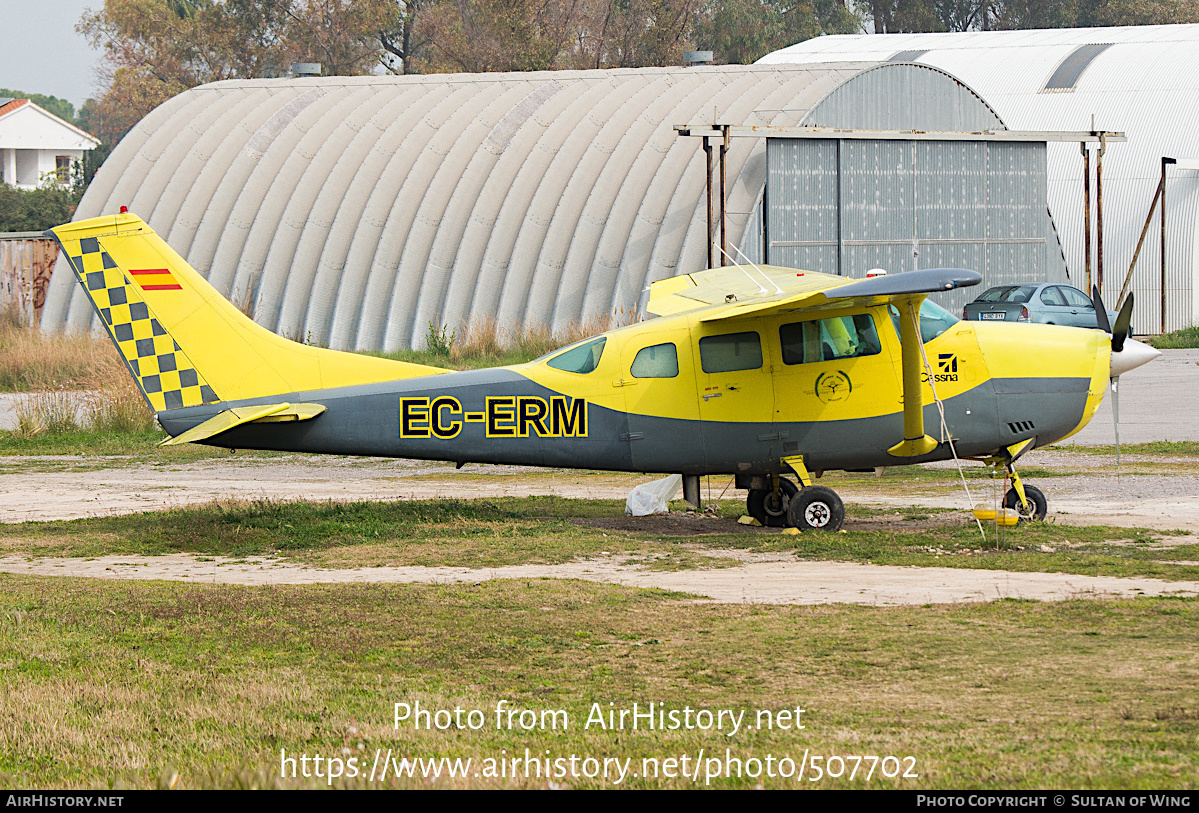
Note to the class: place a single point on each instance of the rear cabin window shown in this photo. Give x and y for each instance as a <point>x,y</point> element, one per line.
<point>659,361</point>
<point>730,352</point>
<point>582,358</point>
<point>842,337</point>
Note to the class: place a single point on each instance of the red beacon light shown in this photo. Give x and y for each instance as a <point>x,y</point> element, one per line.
<point>124,210</point>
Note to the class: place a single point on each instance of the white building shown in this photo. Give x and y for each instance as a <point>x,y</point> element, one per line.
<point>1141,80</point>
<point>34,144</point>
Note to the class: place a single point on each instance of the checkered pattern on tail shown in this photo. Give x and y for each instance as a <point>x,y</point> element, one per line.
<point>161,368</point>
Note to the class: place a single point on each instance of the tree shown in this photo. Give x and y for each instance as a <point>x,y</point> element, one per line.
<point>155,49</point>
<point>399,38</point>
<point>494,35</point>
<point>52,104</point>
<point>743,31</point>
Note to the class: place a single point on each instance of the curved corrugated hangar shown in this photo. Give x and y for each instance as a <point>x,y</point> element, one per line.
<point>352,212</point>
<point>1141,80</point>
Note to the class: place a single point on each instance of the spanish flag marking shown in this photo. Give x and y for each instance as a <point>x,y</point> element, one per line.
<point>155,279</point>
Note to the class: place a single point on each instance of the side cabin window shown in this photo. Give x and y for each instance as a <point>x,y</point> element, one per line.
<point>730,352</point>
<point>659,361</point>
<point>841,337</point>
<point>582,358</point>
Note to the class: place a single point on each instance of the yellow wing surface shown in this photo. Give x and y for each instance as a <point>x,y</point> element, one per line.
<point>184,343</point>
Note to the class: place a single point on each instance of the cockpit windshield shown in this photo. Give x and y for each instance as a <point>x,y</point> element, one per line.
<point>934,320</point>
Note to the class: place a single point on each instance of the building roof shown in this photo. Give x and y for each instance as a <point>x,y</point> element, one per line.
<point>26,126</point>
<point>9,104</point>
<point>1141,80</point>
<point>355,211</point>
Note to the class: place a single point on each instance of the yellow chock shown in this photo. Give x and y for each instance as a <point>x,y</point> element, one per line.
<point>748,520</point>
<point>1006,517</point>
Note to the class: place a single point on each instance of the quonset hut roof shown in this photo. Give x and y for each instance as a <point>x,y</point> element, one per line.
<point>353,212</point>
<point>1138,79</point>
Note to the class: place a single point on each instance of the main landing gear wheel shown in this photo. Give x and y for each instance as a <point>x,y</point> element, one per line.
<point>1037,506</point>
<point>816,508</point>
<point>770,510</point>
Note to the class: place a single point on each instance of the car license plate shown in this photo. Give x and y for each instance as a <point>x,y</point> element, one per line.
<point>992,315</point>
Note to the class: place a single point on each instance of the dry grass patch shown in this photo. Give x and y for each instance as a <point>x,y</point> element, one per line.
<point>31,361</point>
<point>124,683</point>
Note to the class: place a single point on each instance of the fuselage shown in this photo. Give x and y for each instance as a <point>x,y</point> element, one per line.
<point>680,394</point>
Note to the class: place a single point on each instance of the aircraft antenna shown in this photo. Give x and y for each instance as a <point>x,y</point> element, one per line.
<point>755,266</point>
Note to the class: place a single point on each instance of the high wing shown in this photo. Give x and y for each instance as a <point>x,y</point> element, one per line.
<point>744,290</point>
<point>765,290</point>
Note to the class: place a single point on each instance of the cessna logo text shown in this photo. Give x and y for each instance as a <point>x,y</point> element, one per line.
<point>947,368</point>
<point>506,416</point>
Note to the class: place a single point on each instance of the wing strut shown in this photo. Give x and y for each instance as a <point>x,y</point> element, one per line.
<point>915,442</point>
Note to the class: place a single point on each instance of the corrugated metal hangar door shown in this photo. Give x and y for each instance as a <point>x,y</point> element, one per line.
<point>843,206</point>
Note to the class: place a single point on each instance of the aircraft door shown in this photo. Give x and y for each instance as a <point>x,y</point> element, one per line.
<point>735,392</point>
<point>659,393</point>
<point>837,378</point>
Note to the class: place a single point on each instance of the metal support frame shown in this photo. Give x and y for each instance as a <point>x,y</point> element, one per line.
<point>1165,161</point>
<point>1103,138</point>
<point>721,132</point>
<point>724,132</point>
<point>1099,209</point>
<point>1086,212</point>
<point>1157,194</point>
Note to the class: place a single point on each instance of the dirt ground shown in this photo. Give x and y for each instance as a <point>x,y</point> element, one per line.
<point>63,487</point>
<point>760,579</point>
<point>49,488</point>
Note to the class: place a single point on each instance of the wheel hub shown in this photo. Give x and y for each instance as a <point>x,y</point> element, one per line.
<point>817,514</point>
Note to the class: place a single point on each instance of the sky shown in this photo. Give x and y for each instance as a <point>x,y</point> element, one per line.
<point>43,54</point>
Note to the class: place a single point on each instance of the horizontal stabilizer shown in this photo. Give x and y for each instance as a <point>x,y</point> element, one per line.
<point>230,418</point>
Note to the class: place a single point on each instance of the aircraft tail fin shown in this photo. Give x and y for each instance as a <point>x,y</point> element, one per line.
<point>183,342</point>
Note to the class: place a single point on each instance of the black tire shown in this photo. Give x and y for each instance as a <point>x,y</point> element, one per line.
<point>816,508</point>
<point>1037,503</point>
<point>761,505</point>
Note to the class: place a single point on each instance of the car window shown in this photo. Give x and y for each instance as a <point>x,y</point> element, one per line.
<point>1021,294</point>
<point>730,352</point>
<point>659,361</point>
<point>582,358</point>
<point>1075,298</point>
<point>996,294</point>
<point>1052,296</point>
<point>827,339</point>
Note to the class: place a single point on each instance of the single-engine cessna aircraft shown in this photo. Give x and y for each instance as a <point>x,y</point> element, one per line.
<point>755,371</point>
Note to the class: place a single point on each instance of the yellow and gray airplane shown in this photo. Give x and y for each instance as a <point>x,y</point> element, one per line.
<point>756,371</point>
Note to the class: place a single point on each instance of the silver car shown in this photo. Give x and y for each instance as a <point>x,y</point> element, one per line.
<point>1049,303</point>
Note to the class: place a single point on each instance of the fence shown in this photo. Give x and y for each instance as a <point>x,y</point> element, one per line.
<point>26,260</point>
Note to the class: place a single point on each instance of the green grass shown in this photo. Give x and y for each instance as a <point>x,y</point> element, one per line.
<point>512,531</point>
<point>470,533</point>
<point>1180,339</point>
<point>153,684</point>
<point>138,445</point>
<point>1181,448</point>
